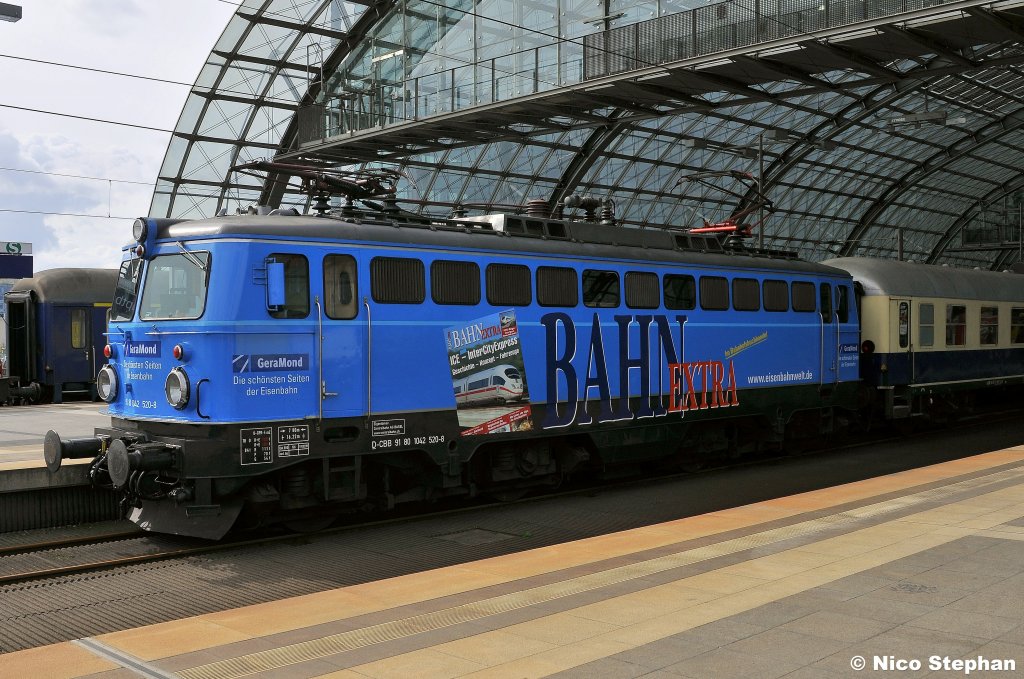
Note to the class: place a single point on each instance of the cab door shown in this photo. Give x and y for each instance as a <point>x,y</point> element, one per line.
<point>849,333</point>
<point>829,337</point>
<point>345,340</point>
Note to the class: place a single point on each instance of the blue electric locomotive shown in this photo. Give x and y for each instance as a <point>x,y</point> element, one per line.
<point>286,364</point>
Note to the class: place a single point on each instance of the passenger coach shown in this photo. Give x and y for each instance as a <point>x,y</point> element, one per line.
<point>933,337</point>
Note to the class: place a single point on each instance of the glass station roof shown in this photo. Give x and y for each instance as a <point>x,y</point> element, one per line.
<point>889,138</point>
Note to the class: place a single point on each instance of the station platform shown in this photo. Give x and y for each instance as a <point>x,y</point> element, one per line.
<point>923,566</point>
<point>30,496</point>
<point>22,429</point>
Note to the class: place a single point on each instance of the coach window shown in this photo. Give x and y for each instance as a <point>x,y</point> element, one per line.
<point>956,325</point>
<point>746,294</point>
<point>397,280</point>
<point>642,290</point>
<point>926,325</point>
<point>990,325</point>
<point>843,303</point>
<point>714,293</point>
<point>776,295</point>
<point>680,292</point>
<point>557,286</point>
<point>600,289</point>
<point>803,296</point>
<point>78,326</point>
<point>1017,325</point>
<point>454,282</point>
<point>508,285</point>
<point>340,291</point>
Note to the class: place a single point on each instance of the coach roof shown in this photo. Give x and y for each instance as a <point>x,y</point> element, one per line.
<point>69,286</point>
<point>904,279</point>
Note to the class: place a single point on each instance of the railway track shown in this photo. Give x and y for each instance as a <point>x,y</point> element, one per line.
<point>82,554</point>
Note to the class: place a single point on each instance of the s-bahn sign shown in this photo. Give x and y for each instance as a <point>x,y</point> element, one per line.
<point>15,248</point>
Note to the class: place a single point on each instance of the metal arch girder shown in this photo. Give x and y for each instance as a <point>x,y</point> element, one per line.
<point>992,196</point>
<point>898,89</point>
<point>374,14</point>
<point>208,100</point>
<point>902,83</point>
<point>927,167</point>
<point>584,159</point>
<point>791,157</point>
<point>923,40</point>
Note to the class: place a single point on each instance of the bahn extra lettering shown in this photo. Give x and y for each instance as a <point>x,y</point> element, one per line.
<point>471,333</point>
<point>693,385</point>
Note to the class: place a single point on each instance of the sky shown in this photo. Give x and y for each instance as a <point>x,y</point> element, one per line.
<point>156,38</point>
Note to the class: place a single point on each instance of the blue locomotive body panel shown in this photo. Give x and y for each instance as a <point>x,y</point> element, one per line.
<point>245,366</point>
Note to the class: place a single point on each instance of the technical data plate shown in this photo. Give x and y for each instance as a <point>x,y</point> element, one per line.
<point>257,445</point>
<point>293,440</point>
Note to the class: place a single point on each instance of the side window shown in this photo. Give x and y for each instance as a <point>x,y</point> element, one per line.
<point>296,286</point>
<point>843,303</point>
<point>714,293</point>
<point>680,292</point>
<point>956,325</point>
<point>776,295</point>
<point>926,325</point>
<point>600,289</point>
<point>826,302</point>
<point>508,285</point>
<point>746,294</point>
<point>642,290</point>
<point>454,282</point>
<point>990,325</point>
<point>79,322</point>
<point>340,290</point>
<point>803,296</point>
<point>396,280</point>
<point>557,286</point>
<point>1017,325</point>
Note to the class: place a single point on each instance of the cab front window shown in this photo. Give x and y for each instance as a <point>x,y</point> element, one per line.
<point>127,290</point>
<point>175,287</point>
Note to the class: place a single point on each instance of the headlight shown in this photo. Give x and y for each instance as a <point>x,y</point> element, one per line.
<point>140,229</point>
<point>176,388</point>
<point>106,383</point>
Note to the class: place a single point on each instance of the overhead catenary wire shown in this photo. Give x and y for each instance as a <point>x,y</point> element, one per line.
<point>94,120</point>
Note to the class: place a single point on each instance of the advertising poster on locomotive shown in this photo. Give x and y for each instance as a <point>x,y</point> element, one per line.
<point>488,375</point>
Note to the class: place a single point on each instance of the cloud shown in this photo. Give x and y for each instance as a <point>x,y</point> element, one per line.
<point>162,39</point>
<point>107,17</point>
<point>82,235</point>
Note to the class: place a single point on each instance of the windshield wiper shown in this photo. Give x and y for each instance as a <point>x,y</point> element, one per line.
<point>191,257</point>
